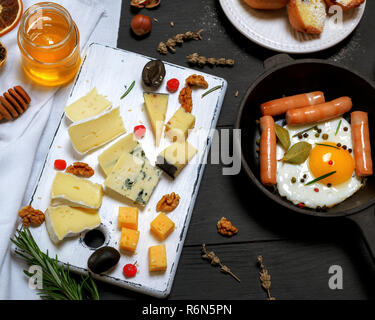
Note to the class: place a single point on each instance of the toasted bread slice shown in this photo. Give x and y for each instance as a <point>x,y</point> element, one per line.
<point>267,4</point>
<point>307,15</point>
<point>345,4</point>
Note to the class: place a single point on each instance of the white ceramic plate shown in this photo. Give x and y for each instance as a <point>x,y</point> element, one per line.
<point>109,69</point>
<point>271,29</point>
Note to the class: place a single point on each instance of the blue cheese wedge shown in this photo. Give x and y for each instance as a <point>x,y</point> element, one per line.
<point>133,178</point>
<point>109,157</point>
<point>92,133</point>
<point>88,106</point>
<point>65,221</point>
<point>175,157</point>
<point>68,189</point>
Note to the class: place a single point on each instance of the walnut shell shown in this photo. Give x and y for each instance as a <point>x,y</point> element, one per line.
<point>145,3</point>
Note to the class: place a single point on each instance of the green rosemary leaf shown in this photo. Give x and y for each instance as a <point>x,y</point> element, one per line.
<point>327,145</point>
<point>338,128</point>
<point>298,153</point>
<point>127,91</point>
<point>57,282</point>
<point>211,90</point>
<point>320,178</point>
<point>303,131</point>
<point>283,136</point>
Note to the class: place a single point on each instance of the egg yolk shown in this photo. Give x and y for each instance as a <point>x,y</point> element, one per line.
<point>327,158</point>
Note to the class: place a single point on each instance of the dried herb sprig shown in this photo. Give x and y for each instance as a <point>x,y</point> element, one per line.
<point>178,39</point>
<point>127,91</point>
<point>57,281</point>
<point>265,278</point>
<point>195,58</point>
<point>215,261</point>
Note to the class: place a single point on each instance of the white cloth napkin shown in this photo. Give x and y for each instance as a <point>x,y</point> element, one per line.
<point>20,140</point>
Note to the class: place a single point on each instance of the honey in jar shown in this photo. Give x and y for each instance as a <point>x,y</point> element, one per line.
<point>48,40</point>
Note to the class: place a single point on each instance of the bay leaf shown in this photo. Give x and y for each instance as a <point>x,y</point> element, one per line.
<point>298,153</point>
<point>283,136</point>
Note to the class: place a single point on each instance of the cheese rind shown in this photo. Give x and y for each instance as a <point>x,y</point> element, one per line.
<point>65,221</point>
<point>157,258</point>
<point>162,226</point>
<point>129,239</point>
<point>156,108</point>
<point>177,128</point>
<point>92,133</point>
<point>87,106</point>
<point>175,157</point>
<point>70,190</point>
<point>134,178</point>
<point>109,157</point>
<point>128,218</point>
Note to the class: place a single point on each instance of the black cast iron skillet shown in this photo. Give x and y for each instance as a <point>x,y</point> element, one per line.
<point>285,76</point>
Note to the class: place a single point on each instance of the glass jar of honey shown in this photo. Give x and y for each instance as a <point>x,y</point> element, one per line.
<point>48,40</point>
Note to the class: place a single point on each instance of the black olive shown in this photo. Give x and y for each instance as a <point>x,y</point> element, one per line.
<point>153,74</point>
<point>103,259</point>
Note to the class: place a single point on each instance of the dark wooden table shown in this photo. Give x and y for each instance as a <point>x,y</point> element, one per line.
<point>298,251</point>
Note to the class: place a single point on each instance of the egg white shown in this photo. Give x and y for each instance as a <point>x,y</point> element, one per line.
<point>299,193</point>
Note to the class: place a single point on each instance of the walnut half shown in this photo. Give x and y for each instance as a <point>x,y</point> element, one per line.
<point>168,202</point>
<point>30,215</point>
<point>81,169</point>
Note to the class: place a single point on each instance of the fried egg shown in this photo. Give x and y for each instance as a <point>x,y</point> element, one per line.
<point>329,155</point>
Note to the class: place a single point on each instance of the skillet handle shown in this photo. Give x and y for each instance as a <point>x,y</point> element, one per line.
<point>276,60</point>
<point>366,223</point>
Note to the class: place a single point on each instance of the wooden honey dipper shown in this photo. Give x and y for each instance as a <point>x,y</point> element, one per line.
<point>13,103</point>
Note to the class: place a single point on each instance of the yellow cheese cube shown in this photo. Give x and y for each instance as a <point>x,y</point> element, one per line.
<point>129,239</point>
<point>128,217</point>
<point>157,258</point>
<point>162,226</point>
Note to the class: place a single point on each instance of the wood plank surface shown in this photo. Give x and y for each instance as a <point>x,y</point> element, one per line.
<point>297,250</point>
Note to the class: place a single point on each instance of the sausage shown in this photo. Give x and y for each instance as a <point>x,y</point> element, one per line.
<point>268,163</point>
<point>280,106</point>
<point>361,143</point>
<point>320,112</point>
<point>267,4</point>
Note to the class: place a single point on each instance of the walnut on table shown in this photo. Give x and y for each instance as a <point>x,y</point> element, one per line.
<point>168,202</point>
<point>225,227</point>
<point>30,215</point>
<point>81,169</point>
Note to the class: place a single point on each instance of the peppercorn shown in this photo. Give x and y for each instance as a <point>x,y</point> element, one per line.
<point>300,136</point>
<point>344,147</point>
<point>305,135</point>
<point>350,150</point>
<point>338,145</point>
<point>319,130</point>
<point>305,176</point>
<point>329,185</point>
<point>325,136</point>
<point>293,180</point>
<point>345,128</point>
<point>302,180</point>
<point>317,135</point>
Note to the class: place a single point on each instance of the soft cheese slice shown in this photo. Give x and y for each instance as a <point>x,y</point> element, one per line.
<point>67,189</point>
<point>109,157</point>
<point>134,178</point>
<point>177,128</point>
<point>156,107</point>
<point>88,106</point>
<point>65,221</point>
<point>175,157</point>
<point>97,131</point>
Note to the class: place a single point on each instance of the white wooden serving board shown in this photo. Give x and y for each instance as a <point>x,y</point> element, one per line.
<point>109,70</point>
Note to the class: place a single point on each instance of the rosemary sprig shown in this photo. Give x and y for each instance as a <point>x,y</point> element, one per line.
<point>210,90</point>
<point>57,282</point>
<point>327,145</point>
<point>320,178</point>
<point>265,278</point>
<point>303,131</point>
<point>338,128</point>
<point>127,91</point>
<point>215,261</point>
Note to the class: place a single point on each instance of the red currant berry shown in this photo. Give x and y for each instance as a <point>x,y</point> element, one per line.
<point>172,85</point>
<point>130,270</point>
<point>140,131</point>
<point>60,164</point>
